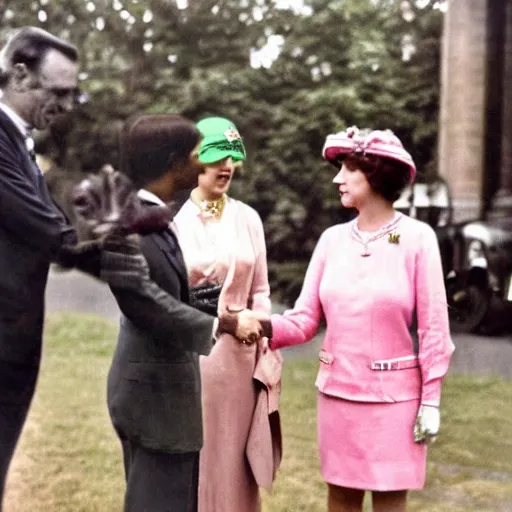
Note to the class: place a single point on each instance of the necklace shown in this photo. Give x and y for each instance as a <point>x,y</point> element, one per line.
<point>365,238</point>
<point>210,207</point>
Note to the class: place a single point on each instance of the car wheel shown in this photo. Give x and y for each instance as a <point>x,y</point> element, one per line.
<point>467,307</point>
<point>497,320</point>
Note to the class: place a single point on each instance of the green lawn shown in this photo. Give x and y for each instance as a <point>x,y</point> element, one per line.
<point>69,459</point>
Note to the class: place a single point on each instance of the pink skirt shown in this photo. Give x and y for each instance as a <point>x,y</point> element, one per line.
<point>370,446</point>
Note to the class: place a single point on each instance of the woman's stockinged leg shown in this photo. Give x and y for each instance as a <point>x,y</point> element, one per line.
<point>343,499</point>
<point>391,501</point>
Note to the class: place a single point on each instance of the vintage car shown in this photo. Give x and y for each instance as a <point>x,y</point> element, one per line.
<point>431,203</point>
<point>479,286</point>
<point>476,257</point>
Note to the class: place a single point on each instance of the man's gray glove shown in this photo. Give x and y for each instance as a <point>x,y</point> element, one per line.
<point>122,263</point>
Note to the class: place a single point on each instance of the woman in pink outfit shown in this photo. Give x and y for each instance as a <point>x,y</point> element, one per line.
<point>379,390</point>
<point>223,245</point>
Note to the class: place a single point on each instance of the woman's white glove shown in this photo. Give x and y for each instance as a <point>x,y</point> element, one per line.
<point>427,424</point>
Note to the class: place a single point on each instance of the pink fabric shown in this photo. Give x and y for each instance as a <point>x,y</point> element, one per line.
<point>378,142</point>
<point>206,243</point>
<point>240,383</point>
<point>264,445</point>
<point>370,446</point>
<point>368,303</point>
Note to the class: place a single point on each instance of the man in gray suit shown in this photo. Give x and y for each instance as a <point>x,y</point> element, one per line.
<point>154,384</point>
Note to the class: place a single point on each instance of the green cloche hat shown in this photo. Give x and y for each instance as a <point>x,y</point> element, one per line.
<point>221,139</point>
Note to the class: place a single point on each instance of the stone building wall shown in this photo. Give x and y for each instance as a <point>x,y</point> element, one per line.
<point>462,114</point>
<point>475,135</point>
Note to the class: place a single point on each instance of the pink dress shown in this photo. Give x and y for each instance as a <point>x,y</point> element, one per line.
<point>230,251</point>
<point>373,376</point>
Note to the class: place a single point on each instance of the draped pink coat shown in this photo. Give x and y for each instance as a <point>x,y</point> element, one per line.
<point>240,383</point>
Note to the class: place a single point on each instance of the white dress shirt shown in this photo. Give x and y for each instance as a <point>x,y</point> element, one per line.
<point>148,196</point>
<point>20,123</point>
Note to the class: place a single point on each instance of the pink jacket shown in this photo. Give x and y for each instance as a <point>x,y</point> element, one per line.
<point>368,353</point>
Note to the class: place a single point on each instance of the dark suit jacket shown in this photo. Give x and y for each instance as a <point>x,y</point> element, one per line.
<point>32,232</point>
<point>154,387</point>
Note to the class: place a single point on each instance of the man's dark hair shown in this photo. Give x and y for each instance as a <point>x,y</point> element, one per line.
<point>29,46</point>
<point>152,144</point>
<point>386,176</point>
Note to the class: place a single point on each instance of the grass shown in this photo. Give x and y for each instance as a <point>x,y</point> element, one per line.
<point>69,459</point>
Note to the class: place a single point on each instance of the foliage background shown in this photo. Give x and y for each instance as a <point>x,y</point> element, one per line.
<point>373,63</point>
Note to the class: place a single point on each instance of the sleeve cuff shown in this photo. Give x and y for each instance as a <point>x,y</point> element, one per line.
<point>266,326</point>
<point>431,393</point>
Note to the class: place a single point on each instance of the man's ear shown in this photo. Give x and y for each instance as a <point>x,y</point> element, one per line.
<point>22,79</point>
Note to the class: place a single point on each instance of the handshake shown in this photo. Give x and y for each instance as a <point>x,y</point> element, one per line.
<point>245,325</point>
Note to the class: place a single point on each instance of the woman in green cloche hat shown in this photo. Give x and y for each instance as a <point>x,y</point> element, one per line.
<point>223,244</point>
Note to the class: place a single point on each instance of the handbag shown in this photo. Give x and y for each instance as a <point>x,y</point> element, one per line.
<point>205,298</point>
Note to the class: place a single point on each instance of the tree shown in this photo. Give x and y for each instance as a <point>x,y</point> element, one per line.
<point>373,63</point>
<point>379,69</point>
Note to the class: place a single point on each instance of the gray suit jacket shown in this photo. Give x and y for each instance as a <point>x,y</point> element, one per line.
<point>154,387</point>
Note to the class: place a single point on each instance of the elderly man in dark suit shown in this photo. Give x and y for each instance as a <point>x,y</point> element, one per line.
<point>154,384</point>
<point>38,78</point>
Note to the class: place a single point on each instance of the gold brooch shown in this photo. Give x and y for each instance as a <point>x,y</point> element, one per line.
<point>209,208</point>
<point>214,207</point>
<point>394,238</point>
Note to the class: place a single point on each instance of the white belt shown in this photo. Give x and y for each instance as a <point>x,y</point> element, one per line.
<point>399,363</point>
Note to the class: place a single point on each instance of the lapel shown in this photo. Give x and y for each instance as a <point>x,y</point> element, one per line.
<point>12,130</point>
<point>29,165</point>
<point>167,242</point>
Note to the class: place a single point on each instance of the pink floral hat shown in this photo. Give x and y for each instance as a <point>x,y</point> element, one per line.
<point>377,142</point>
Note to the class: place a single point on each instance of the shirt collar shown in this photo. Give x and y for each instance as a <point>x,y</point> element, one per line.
<point>148,196</point>
<point>20,123</point>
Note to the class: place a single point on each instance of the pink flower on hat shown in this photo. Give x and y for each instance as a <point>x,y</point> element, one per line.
<point>382,143</point>
<point>352,131</point>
